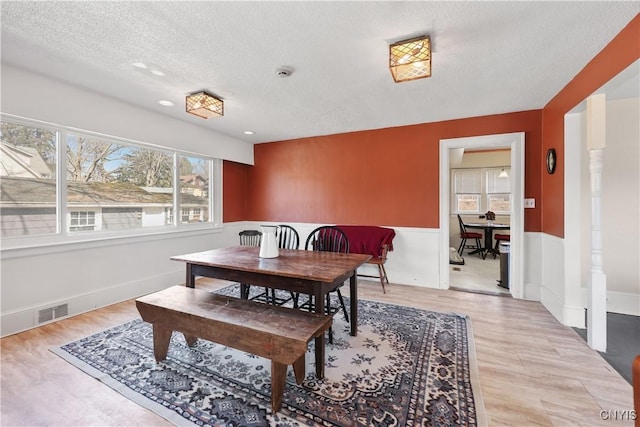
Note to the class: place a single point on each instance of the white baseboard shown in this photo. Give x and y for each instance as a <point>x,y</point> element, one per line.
<point>531,291</point>
<point>623,303</point>
<point>27,318</point>
<point>618,302</point>
<point>574,316</point>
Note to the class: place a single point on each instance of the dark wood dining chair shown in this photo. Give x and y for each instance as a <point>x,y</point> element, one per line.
<point>328,238</point>
<point>252,238</point>
<point>287,238</point>
<point>500,238</point>
<point>467,235</point>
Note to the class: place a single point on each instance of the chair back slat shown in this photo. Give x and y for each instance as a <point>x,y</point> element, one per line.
<point>328,238</point>
<point>287,237</point>
<point>463,229</point>
<point>250,237</point>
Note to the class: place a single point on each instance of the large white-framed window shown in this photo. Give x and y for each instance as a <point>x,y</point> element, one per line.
<point>62,182</point>
<point>478,190</point>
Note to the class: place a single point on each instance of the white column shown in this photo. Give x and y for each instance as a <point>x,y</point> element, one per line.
<point>597,313</point>
<point>597,304</point>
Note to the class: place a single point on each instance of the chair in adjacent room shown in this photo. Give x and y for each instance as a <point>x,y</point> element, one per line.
<point>466,235</point>
<point>329,239</point>
<point>252,238</point>
<point>500,238</point>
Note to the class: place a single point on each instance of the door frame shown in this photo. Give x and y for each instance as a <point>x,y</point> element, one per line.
<point>515,142</point>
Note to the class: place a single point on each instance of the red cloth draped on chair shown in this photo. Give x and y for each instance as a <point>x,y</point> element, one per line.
<point>371,240</point>
<point>368,239</point>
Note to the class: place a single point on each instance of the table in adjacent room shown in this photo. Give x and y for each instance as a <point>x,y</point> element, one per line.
<point>488,228</point>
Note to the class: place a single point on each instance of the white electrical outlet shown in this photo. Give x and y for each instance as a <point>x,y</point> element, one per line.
<point>529,203</point>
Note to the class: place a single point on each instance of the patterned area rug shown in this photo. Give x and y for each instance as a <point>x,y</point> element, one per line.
<point>406,367</point>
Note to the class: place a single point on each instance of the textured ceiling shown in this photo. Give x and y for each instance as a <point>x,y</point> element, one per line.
<point>489,57</point>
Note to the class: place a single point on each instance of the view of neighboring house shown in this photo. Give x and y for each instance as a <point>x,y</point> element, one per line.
<point>24,162</point>
<point>194,184</point>
<point>28,202</point>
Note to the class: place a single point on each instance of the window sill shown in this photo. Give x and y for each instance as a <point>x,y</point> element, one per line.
<point>29,246</point>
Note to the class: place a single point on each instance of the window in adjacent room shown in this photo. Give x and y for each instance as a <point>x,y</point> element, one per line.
<point>478,190</point>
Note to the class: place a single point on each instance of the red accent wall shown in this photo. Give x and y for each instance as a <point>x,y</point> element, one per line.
<point>234,191</point>
<point>374,177</point>
<point>621,52</point>
<point>390,176</point>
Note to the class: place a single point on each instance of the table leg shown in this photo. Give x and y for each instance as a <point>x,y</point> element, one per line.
<point>161,340</point>
<point>353,298</point>
<point>244,291</point>
<point>319,301</point>
<point>190,281</point>
<point>319,353</point>
<point>488,240</point>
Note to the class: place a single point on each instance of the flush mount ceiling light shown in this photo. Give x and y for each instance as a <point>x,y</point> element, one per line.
<point>204,105</point>
<point>410,59</point>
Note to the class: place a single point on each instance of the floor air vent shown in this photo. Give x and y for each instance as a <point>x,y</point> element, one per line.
<point>51,313</point>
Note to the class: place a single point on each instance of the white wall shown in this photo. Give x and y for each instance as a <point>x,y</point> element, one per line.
<point>621,206</point>
<point>34,96</point>
<point>92,274</point>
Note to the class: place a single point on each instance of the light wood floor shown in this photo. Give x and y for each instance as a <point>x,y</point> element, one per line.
<point>533,371</point>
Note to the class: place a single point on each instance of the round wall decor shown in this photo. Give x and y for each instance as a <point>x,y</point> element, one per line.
<point>551,160</point>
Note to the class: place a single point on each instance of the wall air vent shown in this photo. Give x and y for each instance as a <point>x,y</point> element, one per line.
<point>51,313</point>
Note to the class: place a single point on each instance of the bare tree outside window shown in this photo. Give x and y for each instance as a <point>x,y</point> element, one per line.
<point>111,185</point>
<point>86,159</point>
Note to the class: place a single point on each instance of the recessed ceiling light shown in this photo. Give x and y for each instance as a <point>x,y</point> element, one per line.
<point>157,72</point>
<point>166,103</point>
<point>139,65</point>
<point>248,132</point>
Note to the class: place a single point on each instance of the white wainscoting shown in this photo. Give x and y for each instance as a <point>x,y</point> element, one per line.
<point>562,299</point>
<point>95,274</point>
<point>92,276</point>
<point>532,266</point>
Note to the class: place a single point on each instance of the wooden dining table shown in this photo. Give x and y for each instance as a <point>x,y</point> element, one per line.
<point>488,228</point>
<point>309,272</point>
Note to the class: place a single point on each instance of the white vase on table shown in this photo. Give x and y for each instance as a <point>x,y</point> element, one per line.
<point>269,243</point>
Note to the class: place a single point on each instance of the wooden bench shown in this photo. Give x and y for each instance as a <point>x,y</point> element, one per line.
<point>276,333</point>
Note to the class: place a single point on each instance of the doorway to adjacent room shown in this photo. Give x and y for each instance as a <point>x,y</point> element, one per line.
<point>514,142</point>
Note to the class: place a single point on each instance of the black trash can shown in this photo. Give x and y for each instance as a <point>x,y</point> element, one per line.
<point>505,250</point>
